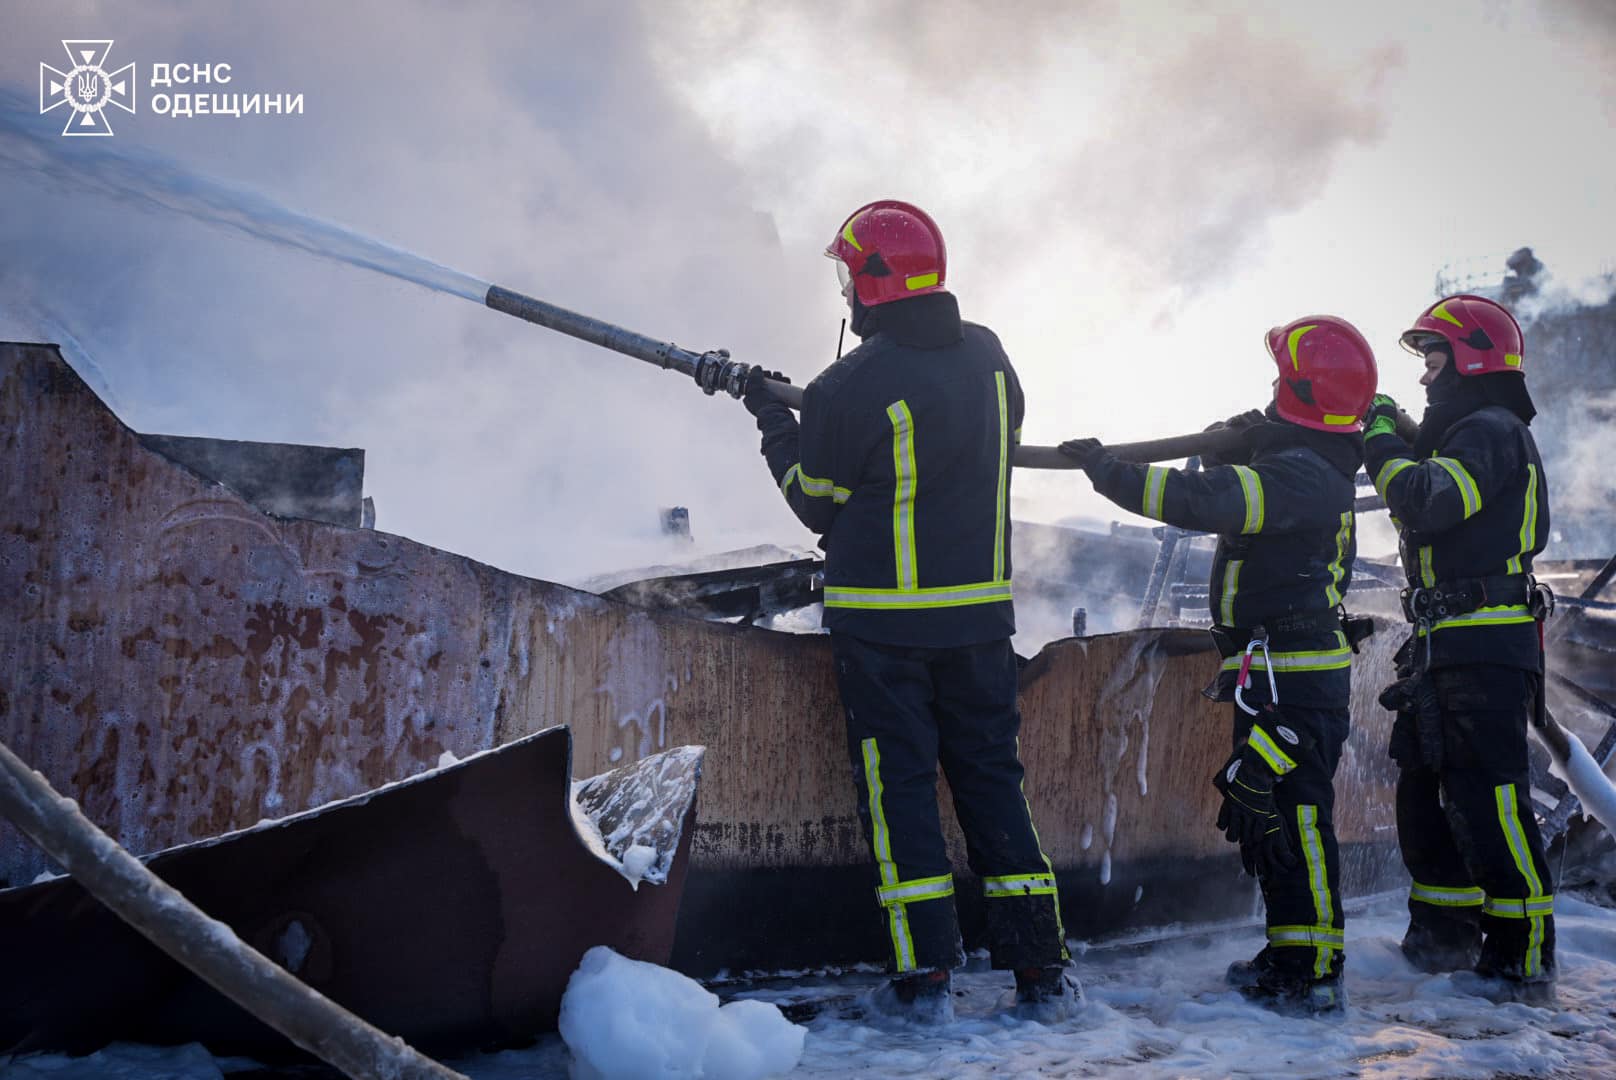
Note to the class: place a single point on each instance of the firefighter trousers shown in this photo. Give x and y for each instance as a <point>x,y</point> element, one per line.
<point>1466,828</point>
<point>1306,926</point>
<point>909,709</point>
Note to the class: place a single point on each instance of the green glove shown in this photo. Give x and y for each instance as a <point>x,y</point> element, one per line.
<point>1381,418</point>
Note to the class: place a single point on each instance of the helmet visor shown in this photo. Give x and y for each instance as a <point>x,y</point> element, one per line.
<point>844,276</point>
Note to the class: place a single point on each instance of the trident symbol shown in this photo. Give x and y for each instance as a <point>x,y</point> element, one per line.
<point>88,87</point>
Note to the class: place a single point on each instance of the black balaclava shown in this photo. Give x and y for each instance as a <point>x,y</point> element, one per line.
<point>1451,397</point>
<point>1344,450</point>
<point>860,322</point>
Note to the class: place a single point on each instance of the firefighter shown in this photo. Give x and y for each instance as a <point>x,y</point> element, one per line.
<point>1472,506</point>
<point>1282,508</point>
<point>902,463</point>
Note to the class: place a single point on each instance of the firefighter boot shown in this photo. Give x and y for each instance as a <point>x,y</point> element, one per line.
<point>1047,994</point>
<point>923,996</point>
<point>1439,943</point>
<point>1244,973</point>
<point>1286,985</point>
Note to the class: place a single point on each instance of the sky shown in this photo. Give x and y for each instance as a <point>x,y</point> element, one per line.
<point>1132,194</point>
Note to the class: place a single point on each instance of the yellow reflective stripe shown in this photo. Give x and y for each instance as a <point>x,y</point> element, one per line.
<point>847,234</point>
<point>1427,572</point>
<point>792,473</point>
<point>920,281</point>
<point>1496,615</point>
<point>987,592</point>
<point>1318,937</point>
<point>1049,867</point>
<point>1509,908</point>
<point>1231,586</point>
<point>1278,760</point>
<point>1441,312</point>
<point>903,946</point>
<point>1339,421</point>
<point>1294,340</point>
<point>903,497</point>
<point>1446,896</point>
<point>1251,487</point>
<point>1512,359</point>
<point>1390,470</point>
<point>1298,660</point>
<point>1019,885</point>
<point>1318,880</point>
<point>999,512</point>
<point>1018,436</point>
<point>1155,488</point>
<point>1468,491</point>
<point>1332,591</point>
<point>1528,522</point>
<point>916,890</point>
<point>1509,820</point>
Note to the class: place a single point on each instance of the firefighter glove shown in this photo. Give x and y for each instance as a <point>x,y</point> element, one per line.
<point>1249,815</point>
<point>1381,419</point>
<point>756,396</point>
<point>1083,451</point>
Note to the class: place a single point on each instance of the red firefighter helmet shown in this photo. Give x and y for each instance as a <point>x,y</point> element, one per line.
<point>1327,373</point>
<point>890,250</point>
<point>1483,335</point>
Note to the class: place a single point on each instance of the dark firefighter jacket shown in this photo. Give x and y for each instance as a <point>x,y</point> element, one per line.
<point>1285,546</point>
<point>902,464</point>
<point>1477,507</point>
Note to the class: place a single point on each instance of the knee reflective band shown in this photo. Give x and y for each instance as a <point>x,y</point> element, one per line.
<point>1509,820</point>
<point>1440,896</point>
<point>1318,937</point>
<point>1019,885</point>
<point>1318,878</point>
<point>910,892</point>
<point>1530,908</point>
<point>903,946</point>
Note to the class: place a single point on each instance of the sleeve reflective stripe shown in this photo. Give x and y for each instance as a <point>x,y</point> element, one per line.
<point>1446,896</point>
<point>1251,487</point>
<point>791,474</point>
<point>1019,885</point>
<point>1528,522</point>
<point>1299,660</point>
<point>1468,491</point>
<point>986,592</point>
<point>1231,586</point>
<point>1155,488</point>
<point>812,485</point>
<point>1332,591</point>
<point>1509,820</point>
<point>903,946</point>
<point>1278,760</point>
<point>999,509</point>
<point>1497,615</point>
<point>1318,880</point>
<point>1390,470</point>
<point>1530,908</point>
<point>903,497</point>
<point>916,890</point>
<point>1319,937</point>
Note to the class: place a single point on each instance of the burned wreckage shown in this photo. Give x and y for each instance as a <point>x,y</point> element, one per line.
<point>358,751</point>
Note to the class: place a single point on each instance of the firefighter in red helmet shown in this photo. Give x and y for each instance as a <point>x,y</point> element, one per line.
<point>902,464</point>
<point>1472,506</point>
<point>1282,508</point>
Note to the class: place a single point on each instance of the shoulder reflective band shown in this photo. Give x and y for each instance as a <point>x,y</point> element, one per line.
<point>1332,591</point>
<point>1446,896</point>
<point>1509,820</point>
<point>1388,471</point>
<point>1155,488</point>
<point>999,509</point>
<point>1019,885</point>
<point>1528,522</point>
<point>1319,937</point>
<point>1468,491</point>
<point>1271,751</point>
<point>987,592</point>
<point>1251,487</point>
<point>903,496</point>
<point>1497,615</point>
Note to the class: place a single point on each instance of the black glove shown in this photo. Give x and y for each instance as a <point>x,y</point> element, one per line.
<point>756,396</point>
<point>1083,451</point>
<point>1236,455</point>
<point>1249,816</point>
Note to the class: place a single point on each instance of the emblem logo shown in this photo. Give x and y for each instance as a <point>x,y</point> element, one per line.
<point>86,88</point>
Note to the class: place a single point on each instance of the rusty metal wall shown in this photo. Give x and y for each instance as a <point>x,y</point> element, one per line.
<point>183,664</point>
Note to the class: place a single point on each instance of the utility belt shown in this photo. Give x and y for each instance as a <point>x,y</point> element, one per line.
<point>1450,599</point>
<point>1283,631</point>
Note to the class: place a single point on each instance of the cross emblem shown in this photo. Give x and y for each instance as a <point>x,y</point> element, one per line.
<point>86,88</point>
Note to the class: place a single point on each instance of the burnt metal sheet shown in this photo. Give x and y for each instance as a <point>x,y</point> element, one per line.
<point>449,909</point>
<point>320,483</point>
<point>183,664</point>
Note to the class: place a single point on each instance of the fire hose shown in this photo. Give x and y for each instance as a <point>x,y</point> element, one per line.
<point>714,371</point>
